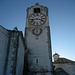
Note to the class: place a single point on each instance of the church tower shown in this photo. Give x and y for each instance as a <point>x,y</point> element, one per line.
<point>38,41</point>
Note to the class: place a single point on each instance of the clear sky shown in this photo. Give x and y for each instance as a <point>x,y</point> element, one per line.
<point>61,20</point>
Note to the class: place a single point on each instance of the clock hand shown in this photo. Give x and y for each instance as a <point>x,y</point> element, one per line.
<point>37,19</point>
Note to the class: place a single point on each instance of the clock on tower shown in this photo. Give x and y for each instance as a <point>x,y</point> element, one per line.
<point>37,19</point>
<point>38,41</point>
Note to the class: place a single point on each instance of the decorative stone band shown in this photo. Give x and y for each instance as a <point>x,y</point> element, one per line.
<point>40,71</point>
<point>37,32</point>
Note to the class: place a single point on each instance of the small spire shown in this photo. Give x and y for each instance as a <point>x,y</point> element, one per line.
<point>37,4</point>
<point>15,29</point>
<point>56,56</point>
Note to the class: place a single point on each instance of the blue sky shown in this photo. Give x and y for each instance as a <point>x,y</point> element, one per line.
<point>61,20</point>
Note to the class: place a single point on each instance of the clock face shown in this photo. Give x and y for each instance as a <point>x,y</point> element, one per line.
<point>37,19</point>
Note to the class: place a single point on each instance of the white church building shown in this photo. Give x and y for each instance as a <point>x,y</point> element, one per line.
<point>31,54</point>
<point>12,48</point>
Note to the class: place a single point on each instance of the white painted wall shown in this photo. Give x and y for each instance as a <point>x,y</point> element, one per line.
<point>39,49</point>
<point>3,48</point>
<point>17,45</point>
<point>12,56</point>
<point>9,43</point>
<point>43,10</point>
<point>68,67</point>
<point>20,57</point>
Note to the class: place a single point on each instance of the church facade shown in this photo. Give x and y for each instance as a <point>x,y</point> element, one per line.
<point>11,52</point>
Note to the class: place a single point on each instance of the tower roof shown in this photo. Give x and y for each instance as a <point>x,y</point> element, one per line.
<point>37,4</point>
<point>56,54</point>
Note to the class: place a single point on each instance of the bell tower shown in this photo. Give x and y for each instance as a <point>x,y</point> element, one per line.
<point>38,41</point>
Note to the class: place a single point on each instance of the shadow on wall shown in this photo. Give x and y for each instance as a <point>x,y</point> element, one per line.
<point>60,71</point>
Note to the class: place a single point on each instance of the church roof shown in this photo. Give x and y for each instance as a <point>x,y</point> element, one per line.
<point>63,60</point>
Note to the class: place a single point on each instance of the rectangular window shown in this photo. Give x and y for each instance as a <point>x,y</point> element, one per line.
<point>36,60</point>
<point>36,10</point>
